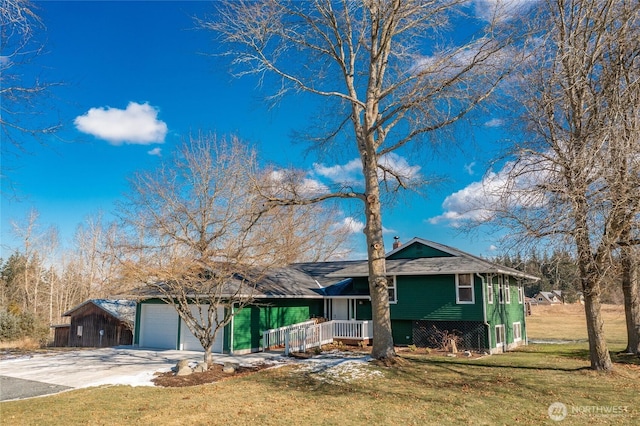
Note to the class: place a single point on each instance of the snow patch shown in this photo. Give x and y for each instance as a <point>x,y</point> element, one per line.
<point>336,366</point>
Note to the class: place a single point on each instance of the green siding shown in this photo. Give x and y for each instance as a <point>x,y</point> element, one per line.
<point>361,285</point>
<point>252,321</point>
<point>363,310</point>
<point>418,250</point>
<point>434,298</point>
<point>506,313</point>
<point>402,332</point>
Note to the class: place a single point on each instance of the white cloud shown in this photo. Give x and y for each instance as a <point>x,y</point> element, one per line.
<point>501,10</point>
<point>351,172</point>
<point>137,124</point>
<point>469,167</point>
<point>155,151</point>
<point>477,201</point>
<point>347,173</point>
<point>399,166</point>
<point>286,185</point>
<point>493,247</point>
<point>494,122</point>
<point>350,225</point>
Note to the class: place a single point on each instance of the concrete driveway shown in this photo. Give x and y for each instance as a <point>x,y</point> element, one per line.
<point>43,374</point>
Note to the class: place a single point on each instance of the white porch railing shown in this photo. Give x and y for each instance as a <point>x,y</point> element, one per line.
<point>306,335</point>
<point>276,336</point>
<point>313,336</point>
<point>354,330</point>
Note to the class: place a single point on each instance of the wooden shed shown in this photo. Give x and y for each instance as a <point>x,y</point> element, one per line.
<point>102,323</point>
<point>61,335</point>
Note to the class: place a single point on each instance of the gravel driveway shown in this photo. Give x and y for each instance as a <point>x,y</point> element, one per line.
<point>43,374</point>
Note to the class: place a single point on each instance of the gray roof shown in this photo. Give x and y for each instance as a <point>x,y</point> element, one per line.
<point>321,279</point>
<point>458,263</point>
<point>122,309</point>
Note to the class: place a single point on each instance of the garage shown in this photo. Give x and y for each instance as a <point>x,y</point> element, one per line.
<point>188,341</point>
<point>159,329</point>
<point>158,326</point>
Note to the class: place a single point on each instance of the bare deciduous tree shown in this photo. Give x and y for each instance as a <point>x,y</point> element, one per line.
<point>380,67</point>
<point>195,236</point>
<point>21,91</point>
<point>576,180</point>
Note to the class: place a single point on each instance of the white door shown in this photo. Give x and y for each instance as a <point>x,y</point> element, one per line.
<point>158,326</point>
<point>340,309</point>
<point>189,342</point>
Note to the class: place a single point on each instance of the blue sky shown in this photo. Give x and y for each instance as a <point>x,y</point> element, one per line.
<point>137,81</point>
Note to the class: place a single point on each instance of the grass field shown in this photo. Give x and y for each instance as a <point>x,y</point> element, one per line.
<point>567,322</point>
<point>512,388</point>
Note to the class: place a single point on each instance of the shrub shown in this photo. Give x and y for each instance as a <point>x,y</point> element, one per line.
<point>15,326</point>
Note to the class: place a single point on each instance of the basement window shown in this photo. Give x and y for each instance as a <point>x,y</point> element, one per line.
<point>517,332</point>
<point>500,336</point>
<point>464,288</point>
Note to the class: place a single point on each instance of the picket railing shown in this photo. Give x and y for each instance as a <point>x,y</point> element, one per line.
<point>353,330</point>
<point>276,337</point>
<point>306,335</point>
<point>313,336</point>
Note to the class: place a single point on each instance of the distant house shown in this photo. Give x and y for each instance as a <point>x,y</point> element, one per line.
<point>432,288</point>
<point>98,323</point>
<point>553,297</point>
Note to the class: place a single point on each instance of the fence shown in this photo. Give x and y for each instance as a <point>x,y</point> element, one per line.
<point>276,337</point>
<point>307,335</point>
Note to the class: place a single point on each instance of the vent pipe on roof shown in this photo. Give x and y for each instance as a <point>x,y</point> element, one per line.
<point>396,242</point>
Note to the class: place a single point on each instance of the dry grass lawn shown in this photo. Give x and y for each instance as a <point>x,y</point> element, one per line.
<point>512,388</point>
<point>567,322</point>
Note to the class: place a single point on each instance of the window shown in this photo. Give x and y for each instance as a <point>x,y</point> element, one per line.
<point>490,291</point>
<point>504,295</point>
<point>464,288</point>
<point>79,331</point>
<point>520,295</point>
<point>500,339</point>
<point>517,332</point>
<point>392,287</point>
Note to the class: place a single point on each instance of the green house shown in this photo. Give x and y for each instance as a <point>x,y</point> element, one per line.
<point>433,290</point>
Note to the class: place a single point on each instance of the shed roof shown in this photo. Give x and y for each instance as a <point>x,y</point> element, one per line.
<point>122,309</point>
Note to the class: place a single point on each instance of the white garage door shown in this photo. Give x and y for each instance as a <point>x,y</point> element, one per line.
<point>188,341</point>
<point>158,326</point>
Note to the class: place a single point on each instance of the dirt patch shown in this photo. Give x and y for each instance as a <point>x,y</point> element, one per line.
<point>439,353</point>
<point>213,374</point>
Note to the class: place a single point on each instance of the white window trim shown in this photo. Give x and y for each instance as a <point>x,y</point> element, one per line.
<point>504,335</point>
<point>507,291</point>
<point>517,338</point>
<point>520,295</point>
<point>394,286</point>
<point>490,291</point>
<point>500,290</point>
<point>458,287</point>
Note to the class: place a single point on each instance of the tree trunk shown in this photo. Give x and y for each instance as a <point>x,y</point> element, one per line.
<point>208,354</point>
<point>378,288</point>
<point>598,352</point>
<point>631,291</point>
<point>589,265</point>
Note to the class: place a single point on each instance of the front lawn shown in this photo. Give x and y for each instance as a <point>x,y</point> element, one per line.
<point>512,388</point>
